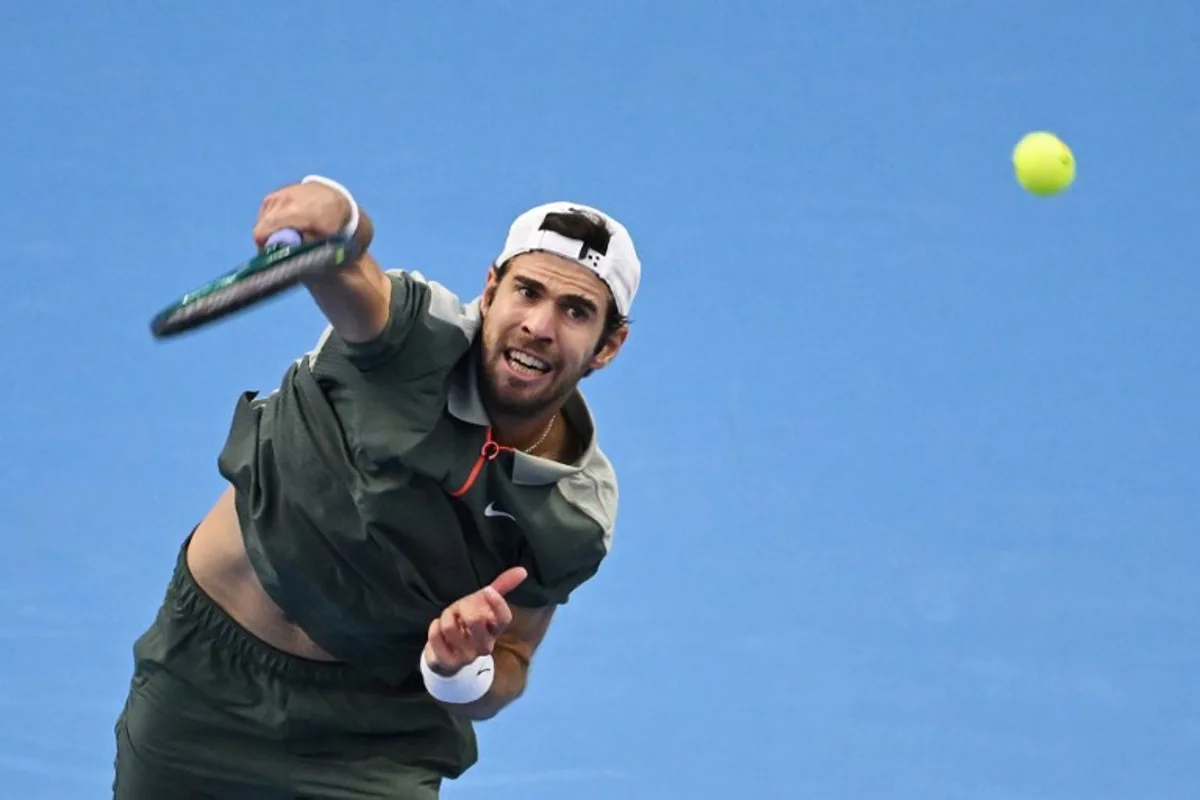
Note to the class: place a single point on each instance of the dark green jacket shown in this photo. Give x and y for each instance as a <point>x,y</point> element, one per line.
<point>367,503</point>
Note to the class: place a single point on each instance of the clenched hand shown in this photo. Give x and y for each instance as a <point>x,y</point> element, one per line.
<point>316,210</point>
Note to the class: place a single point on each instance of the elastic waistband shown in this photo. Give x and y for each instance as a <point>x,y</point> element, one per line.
<point>187,599</point>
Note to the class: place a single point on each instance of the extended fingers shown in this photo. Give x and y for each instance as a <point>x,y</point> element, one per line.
<point>464,631</point>
<point>469,628</point>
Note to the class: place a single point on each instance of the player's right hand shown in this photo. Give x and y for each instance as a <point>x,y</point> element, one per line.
<point>316,210</point>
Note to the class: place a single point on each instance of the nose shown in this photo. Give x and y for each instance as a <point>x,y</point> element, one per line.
<point>539,321</point>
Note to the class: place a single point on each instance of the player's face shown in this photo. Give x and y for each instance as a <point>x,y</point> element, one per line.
<point>542,324</point>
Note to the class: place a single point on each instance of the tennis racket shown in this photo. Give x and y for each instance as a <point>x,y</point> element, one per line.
<point>284,262</point>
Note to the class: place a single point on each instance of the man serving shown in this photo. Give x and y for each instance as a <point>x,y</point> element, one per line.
<point>404,514</point>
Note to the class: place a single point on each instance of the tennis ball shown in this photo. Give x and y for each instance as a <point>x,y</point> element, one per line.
<point>1045,166</point>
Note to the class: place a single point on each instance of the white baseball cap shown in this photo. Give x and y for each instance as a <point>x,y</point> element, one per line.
<point>617,266</point>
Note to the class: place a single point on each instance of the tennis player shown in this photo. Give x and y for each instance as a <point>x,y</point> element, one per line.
<point>404,514</point>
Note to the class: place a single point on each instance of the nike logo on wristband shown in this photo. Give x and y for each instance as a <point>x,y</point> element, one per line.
<point>483,670</point>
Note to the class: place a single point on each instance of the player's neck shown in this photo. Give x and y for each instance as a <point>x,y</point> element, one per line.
<point>546,436</point>
<point>522,433</point>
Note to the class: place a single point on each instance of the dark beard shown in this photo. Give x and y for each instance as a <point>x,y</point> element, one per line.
<point>518,409</point>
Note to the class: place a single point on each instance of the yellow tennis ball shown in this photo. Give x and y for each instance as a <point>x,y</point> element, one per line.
<point>1045,166</point>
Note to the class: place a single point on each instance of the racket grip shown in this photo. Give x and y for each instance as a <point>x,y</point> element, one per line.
<point>286,236</point>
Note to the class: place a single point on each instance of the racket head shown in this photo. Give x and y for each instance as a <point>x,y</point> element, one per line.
<point>277,269</point>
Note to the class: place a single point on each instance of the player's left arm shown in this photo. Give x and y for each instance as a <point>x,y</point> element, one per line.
<point>478,651</point>
<point>512,653</point>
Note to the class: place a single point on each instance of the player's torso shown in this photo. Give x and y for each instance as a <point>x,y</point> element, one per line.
<point>383,508</point>
<point>370,498</point>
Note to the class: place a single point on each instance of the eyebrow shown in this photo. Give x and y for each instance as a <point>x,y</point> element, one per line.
<point>575,299</point>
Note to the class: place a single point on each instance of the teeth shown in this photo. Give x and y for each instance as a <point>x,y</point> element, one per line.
<point>526,360</point>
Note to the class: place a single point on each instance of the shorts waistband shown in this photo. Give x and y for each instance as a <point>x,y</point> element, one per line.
<point>187,599</point>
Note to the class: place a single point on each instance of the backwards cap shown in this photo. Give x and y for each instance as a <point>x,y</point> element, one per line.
<point>617,265</point>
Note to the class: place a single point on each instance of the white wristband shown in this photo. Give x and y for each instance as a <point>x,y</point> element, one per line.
<point>465,686</point>
<point>351,227</point>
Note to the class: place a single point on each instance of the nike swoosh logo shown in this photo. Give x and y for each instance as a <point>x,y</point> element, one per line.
<point>483,670</point>
<point>492,511</point>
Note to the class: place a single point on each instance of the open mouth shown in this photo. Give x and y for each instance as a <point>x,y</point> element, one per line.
<point>525,364</point>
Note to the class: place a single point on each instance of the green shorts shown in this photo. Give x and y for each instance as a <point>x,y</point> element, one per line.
<point>216,713</point>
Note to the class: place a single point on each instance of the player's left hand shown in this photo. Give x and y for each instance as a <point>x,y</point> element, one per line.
<point>469,628</point>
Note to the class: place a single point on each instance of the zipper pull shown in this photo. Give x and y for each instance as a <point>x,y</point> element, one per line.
<point>488,452</point>
<point>490,448</point>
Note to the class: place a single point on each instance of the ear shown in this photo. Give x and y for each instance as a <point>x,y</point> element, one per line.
<point>489,289</point>
<point>611,347</point>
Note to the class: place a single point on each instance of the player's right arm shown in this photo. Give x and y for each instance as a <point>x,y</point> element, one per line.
<point>356,299</point>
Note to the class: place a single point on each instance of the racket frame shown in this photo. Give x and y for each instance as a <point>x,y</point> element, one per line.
<point>256,280</point>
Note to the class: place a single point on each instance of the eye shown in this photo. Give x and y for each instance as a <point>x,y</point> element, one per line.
<point>526,292</point>
<point>578,313</point>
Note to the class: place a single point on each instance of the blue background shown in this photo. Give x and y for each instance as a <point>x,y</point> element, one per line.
<point>914,513</point>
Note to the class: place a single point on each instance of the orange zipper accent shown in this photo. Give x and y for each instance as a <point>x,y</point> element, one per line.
<point>488,452</point>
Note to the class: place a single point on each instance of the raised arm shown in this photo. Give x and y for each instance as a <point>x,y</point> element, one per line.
<point>355,299</point>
